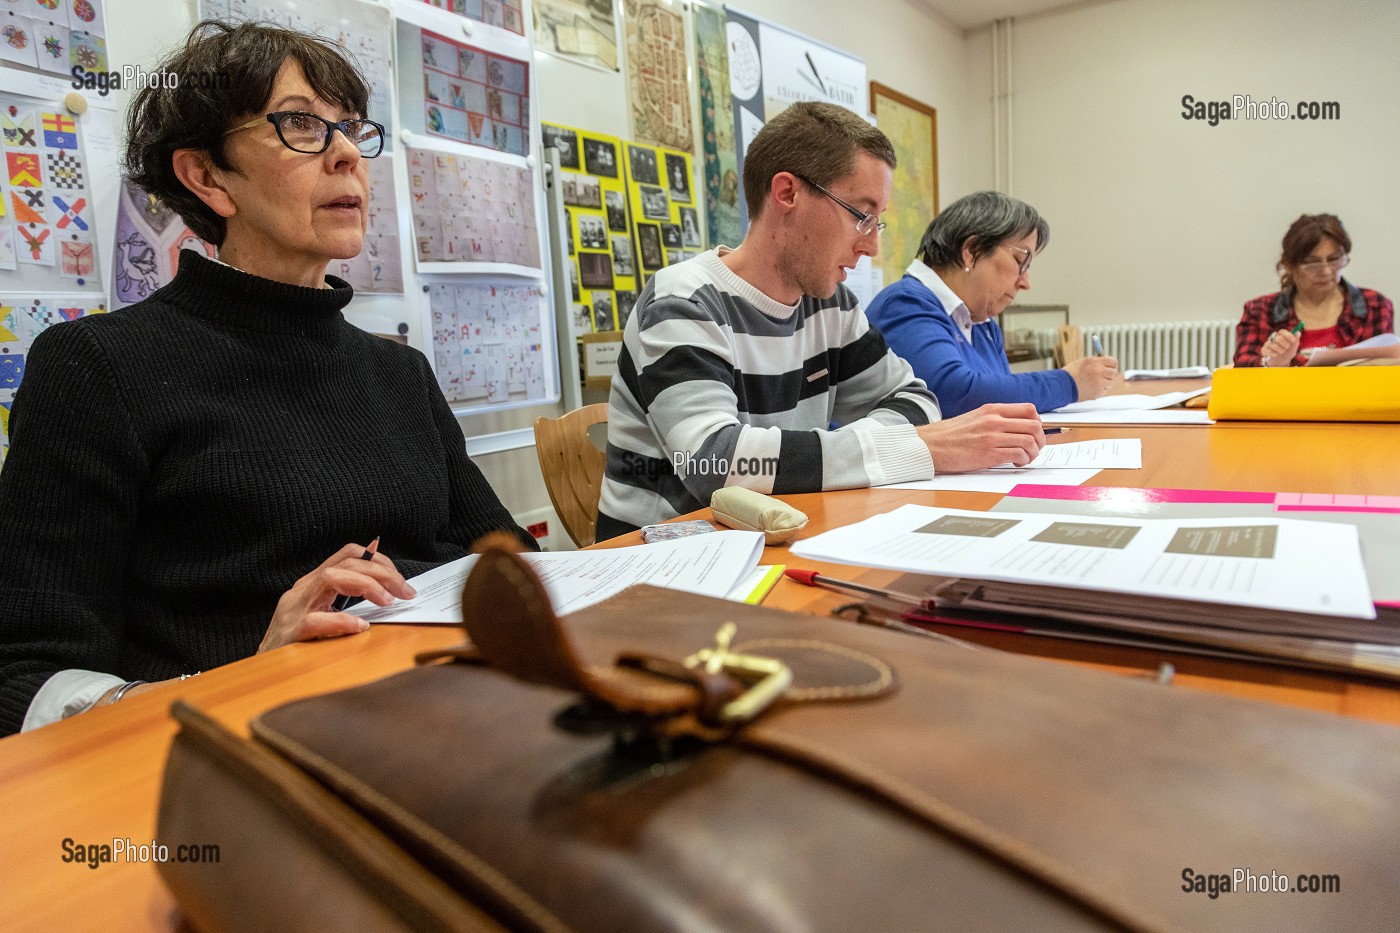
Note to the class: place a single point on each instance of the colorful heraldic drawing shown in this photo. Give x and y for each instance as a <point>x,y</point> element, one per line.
<point>472,210</point>
<point>45,206</point>
<point>474,96</point>
<point>486,341</point>
<point>149,239</point>
<point>22,318</point>
<point>54,36</point>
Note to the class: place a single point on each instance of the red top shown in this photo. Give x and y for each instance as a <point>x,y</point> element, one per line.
<point>1312,339</point>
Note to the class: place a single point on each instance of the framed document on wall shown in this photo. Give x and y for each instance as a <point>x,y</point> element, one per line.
<point>913,128</point>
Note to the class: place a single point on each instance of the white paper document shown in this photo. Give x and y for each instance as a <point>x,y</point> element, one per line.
<point>1000,480</point>
<point>709,564</point>
<point>1115,453</point>
<point>1130,416</point>
<point>1312,567</point>
<point>1132,402</point>
<point>1181,372</point>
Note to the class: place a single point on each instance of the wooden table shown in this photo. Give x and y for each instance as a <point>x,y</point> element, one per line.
<point>96,777</point>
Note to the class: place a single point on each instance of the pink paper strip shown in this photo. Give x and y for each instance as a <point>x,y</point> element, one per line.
<point>1327,502</point>
<point>1128,496</point>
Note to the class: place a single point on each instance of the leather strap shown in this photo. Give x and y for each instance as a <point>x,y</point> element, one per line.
<point>507,614</point>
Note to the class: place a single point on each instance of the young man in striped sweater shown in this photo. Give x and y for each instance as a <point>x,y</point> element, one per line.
<point>736,363</point>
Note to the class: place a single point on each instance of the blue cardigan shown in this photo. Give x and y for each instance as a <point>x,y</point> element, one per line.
<point>964,376</point>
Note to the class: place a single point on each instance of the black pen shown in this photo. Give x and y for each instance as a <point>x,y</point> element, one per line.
<point>342,602</point>
<point>1057,430</point>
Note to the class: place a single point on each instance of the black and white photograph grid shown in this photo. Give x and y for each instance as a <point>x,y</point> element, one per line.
<point>617,211</point>
<point>622,256</point>
<point>690,227</point>
<point>595,270</point>
<point>643,165</point>
<point>655,204</point>
<point>603,311</point>
<point>677,178</point>
<point>566,141</point>
<point>592,233</point>
<point>649,242</point>
<point>600,158</point>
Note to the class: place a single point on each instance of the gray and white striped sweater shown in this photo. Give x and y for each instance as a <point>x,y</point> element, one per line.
<point>720,385</point>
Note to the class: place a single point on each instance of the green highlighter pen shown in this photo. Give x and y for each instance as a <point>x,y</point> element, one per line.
<point>1296,329</point>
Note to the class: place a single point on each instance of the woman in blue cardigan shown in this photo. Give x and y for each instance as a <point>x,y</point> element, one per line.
<point>975,256</point>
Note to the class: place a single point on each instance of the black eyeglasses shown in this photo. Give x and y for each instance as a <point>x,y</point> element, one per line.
<point>308,133</point>
<point>864,222</point>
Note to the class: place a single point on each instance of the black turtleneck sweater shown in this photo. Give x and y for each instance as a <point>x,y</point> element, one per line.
<point>175,467</point>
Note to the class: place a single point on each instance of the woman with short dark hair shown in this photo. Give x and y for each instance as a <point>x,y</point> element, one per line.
<point>975,256</point>
<point>1315,307</point>
<point>194,479</point>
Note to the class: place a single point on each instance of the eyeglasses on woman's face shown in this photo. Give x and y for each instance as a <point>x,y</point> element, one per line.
<point>306,132</point>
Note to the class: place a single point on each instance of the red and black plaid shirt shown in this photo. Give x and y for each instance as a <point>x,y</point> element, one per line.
<point>1366,314</point>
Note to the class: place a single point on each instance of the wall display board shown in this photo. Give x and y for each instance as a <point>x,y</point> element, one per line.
<point>599,237</point>
<point>772,67</point>
<point>504,14</point>
<point>472,95</point>
<point>476,205</point>
<point>913,128</point>
<point>487,344</point>
<point>47,239</point>
<point>54,36</point>
<point>23,316</point>
<point>723,223</point>
<point>658,79</point>
<point>661,191</point>
<point>580,31</point>
<point>469,209</point>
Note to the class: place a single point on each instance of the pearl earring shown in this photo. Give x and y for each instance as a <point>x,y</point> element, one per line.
<point>967,268</point>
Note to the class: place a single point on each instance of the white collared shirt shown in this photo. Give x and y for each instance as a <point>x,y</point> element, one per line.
<point>952,304</point>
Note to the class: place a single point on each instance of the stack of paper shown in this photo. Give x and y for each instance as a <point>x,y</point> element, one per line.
<point>1181,372</point>
<point>1131,409</point>
<point>711,565</point>
<point>1262,586</point>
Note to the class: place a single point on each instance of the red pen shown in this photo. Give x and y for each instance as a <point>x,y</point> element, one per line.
<point>812,578</point>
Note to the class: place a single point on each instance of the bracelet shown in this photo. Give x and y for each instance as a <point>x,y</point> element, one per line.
<point>121,691</point>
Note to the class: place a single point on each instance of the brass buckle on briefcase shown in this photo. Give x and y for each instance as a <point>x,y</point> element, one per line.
<point>764,679</point>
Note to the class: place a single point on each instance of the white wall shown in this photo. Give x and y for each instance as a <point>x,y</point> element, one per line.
<point>1156,218</point>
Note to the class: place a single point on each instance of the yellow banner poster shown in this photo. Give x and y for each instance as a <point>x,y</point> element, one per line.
<point>602,261</point>
<point>661,196</point>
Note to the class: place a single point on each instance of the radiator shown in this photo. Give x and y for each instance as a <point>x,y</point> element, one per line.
<point>1165,345</point>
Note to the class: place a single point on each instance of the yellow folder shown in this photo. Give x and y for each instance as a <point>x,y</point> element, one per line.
<point>1341,393</point>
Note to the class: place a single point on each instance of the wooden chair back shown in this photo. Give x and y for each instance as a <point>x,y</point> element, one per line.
<point>1070,346</point>
<point>573,468</point>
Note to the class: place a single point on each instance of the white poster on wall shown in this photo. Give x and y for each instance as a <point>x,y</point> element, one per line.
<point>771,68</point>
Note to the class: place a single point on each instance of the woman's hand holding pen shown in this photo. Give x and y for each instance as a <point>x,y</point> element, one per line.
<point>1093,376</point>
<point>308,610</point>
<point>1279,349</point>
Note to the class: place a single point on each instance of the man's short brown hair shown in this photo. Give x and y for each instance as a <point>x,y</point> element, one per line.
<point>226,73</point>
<point>814,140</point>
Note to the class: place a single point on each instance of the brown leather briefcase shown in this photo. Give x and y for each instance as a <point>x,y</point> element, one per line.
<point>621,769</point>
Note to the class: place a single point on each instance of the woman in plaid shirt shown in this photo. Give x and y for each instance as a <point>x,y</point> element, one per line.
<point>1316,306</point>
